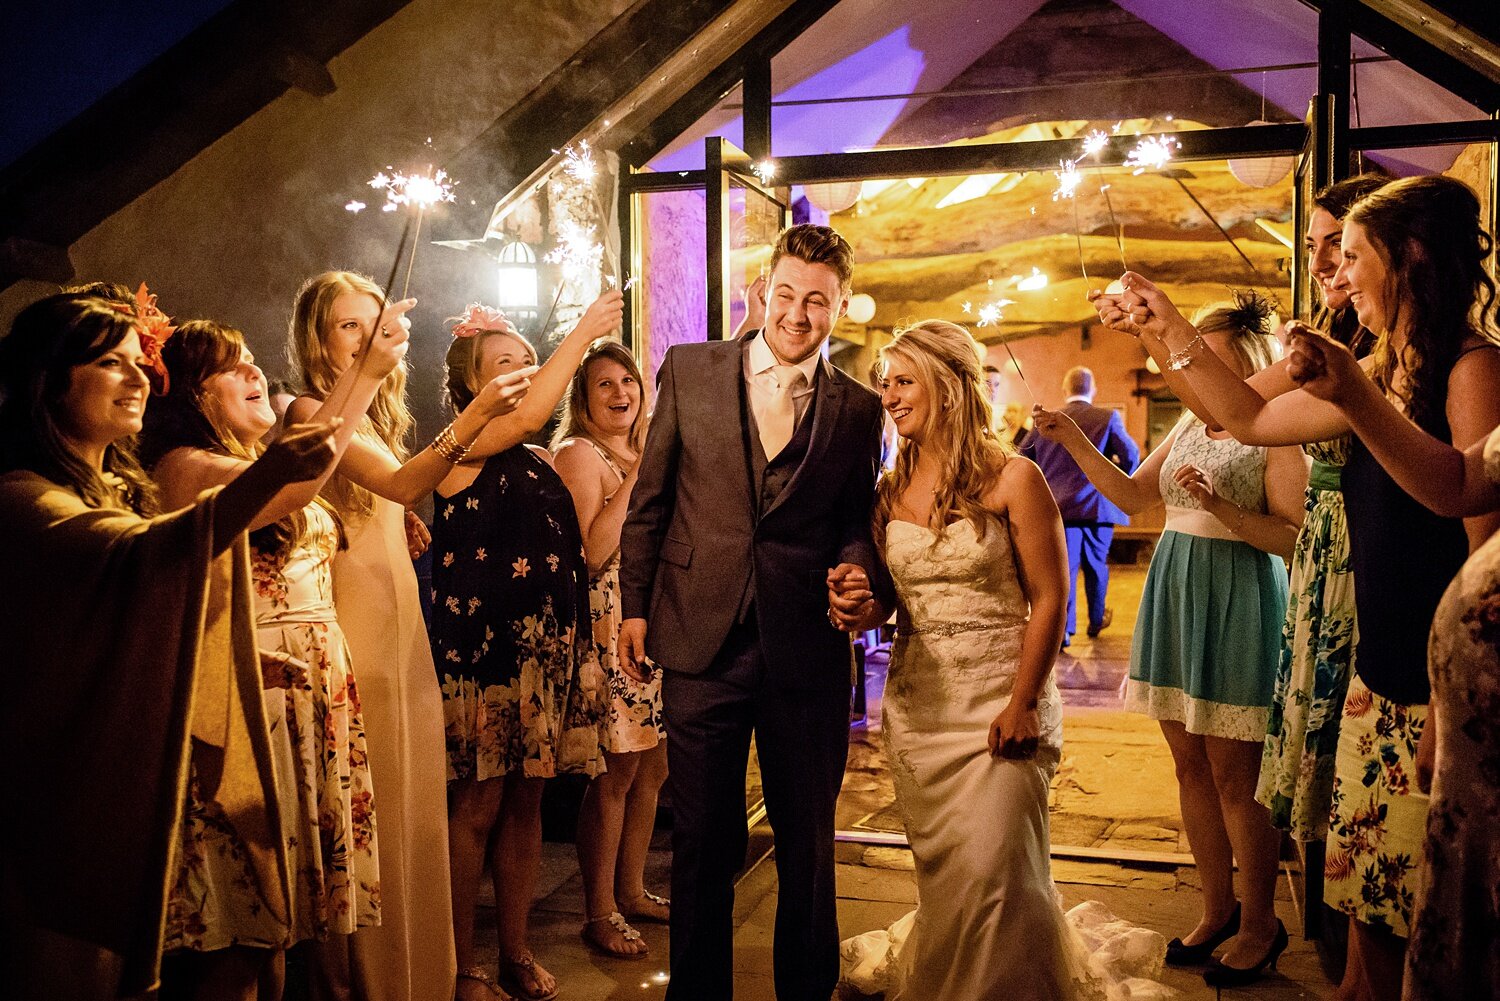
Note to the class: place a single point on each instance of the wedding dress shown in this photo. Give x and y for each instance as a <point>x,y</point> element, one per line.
<point>988,922</point>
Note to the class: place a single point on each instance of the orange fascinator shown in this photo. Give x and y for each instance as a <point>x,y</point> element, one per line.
<point>153,327</point>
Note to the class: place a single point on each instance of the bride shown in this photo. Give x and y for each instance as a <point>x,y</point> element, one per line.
<point>972,716</point>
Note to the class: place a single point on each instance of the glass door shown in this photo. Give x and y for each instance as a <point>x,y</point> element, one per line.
<point>743,218</point>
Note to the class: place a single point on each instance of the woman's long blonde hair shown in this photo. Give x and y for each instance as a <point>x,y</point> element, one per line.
<point>388,418</point>
<point>949,364</point>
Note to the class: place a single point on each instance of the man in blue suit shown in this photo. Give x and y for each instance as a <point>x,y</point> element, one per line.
<point>1089,518</point>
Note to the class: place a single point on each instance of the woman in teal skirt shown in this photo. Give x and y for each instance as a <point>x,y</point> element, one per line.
<point>1203,661</point>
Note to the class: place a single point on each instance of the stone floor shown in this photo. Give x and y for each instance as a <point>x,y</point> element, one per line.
<point>1114,797</point>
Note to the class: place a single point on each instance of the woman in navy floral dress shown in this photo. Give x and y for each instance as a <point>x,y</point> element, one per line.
<point>524,695</point>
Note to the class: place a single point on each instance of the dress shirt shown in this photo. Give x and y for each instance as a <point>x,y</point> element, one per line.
<point>760,377</point>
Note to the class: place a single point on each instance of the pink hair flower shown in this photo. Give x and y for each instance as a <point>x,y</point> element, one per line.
<point>479,318</point>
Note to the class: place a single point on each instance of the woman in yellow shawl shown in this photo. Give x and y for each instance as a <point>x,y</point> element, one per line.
<point>130,649</point>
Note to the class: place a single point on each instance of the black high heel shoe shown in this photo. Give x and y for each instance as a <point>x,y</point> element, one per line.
<point>1201,952</point>
<point>1219,975</point>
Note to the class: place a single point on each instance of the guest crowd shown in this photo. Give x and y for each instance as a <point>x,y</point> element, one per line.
<point>229,733</point>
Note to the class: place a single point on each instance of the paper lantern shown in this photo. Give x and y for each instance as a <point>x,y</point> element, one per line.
<point>1261,171</point>
<point>835,197</point>
<point>861,308</point>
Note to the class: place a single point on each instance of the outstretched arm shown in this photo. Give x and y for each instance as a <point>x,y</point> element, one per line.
<point>1450,482</point>
<point>1131,492</point>
<point>1214,391</point>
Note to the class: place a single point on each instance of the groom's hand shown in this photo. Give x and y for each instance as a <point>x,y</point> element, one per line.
<point>851,603</point>
<point>632,650</point>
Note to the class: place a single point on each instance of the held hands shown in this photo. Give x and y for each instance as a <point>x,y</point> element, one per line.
<point>1017,732</point>
<point>504,392</point>
<point>1323,367</point>
<point>603,317</point>
<point>1141,308</point>
<point>301,452</point>
<point>391,339</point>
<point>851,603</point>
<point>632,650</point>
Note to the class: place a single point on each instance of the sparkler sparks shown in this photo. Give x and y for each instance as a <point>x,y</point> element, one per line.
<point>765,170</point>
<point>967,307</point>
<point>614,282</point>
<point>576,251</point>
<point>422,190</point>
<point>1151,153</point>
<point>1095,142</point>
<point>354,206</point>
<point>1067,180</point>
<point>991,313</point>
<point>579,163</point>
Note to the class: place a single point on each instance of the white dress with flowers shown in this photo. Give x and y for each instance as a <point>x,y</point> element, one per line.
<point>511,634</point>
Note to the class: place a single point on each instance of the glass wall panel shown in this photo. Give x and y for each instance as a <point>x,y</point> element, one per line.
<point>870,75</point>
<point>671,293</point>
<point>686,151</point>
<point>1384,91</point>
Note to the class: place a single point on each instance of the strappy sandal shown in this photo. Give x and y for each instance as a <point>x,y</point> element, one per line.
<point>617,921</point>
<point>480,976</point>
<point>511,970</point>
<point>633,909</point>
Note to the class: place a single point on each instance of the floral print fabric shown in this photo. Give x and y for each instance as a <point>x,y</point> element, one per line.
<point>1312,677</point>
<point>511,632</point>
<point>635,721</point>
<point>1455,941</point>
<point>1372,864</point>
<point>323,764</point>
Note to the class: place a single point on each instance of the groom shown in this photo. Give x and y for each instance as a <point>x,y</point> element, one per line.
<point>756,480</point>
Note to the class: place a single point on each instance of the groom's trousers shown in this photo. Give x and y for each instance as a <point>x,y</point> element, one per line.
<point>802,743</point>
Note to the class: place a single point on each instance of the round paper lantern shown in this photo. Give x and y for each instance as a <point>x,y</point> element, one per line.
<point>1261,171</point>
<point>834,197</point>
<point>1152,366</point>
<point>861,308</point>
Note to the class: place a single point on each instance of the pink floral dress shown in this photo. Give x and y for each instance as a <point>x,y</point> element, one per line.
<point>322,762</point>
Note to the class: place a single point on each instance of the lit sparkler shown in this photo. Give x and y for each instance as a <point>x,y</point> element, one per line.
<point>422,190</point>
<point>354,206</point>
<point>967,307</point>
<point>576,251</point>
<point>991,313</point>
<point>579,163</point>
<point>1152,153</point>
<point>1067,180</point>
<point>765,170</point>
<point>1094,142</point>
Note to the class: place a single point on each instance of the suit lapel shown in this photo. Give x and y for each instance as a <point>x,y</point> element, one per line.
<point>725,382</point>
<point>827,413</point>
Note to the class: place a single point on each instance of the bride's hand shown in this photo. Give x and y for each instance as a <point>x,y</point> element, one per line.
<point>1016,732</point>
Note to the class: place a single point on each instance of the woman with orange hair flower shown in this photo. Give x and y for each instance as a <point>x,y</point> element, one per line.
<point>131,660</point>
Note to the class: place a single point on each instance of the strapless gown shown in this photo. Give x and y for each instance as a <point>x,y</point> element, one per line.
<point>988,923</point>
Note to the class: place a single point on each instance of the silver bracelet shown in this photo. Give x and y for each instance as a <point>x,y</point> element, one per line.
<point>1180,360</point>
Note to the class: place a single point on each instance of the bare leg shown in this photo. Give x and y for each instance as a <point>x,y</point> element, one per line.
<point>473,807</point>
<point>1353,987</point>
<point>1236,767</point>
<point>515,858</point>
<point>640,822</point>
<point>600,823</point>
<point>1383,959</point>
<point>232,974</point>
<point>1204,822</point>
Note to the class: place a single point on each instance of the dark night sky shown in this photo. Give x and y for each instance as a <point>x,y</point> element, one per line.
<point>60,56</point>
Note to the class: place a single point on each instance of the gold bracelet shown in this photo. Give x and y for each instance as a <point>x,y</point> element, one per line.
<point>447,447</point>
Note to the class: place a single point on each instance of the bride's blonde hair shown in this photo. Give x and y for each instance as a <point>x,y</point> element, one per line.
<point>949,364</point>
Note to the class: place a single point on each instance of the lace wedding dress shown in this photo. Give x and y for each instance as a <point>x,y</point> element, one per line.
<point>988,922</point>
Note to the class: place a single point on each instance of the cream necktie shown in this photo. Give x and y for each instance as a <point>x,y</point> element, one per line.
<point>779,418</point>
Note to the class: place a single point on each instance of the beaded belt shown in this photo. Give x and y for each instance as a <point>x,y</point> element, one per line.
<point>943,628</point>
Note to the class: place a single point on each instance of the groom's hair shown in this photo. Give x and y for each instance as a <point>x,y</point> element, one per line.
<point>816,245</point>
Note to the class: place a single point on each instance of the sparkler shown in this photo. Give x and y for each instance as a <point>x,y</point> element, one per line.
<point>1067,180</point>
<point>355,206</point>
<point>765,170</point>
<point>991,313</point>
<point>1093,145</point>
<point>1151,153</point>
<point>422,190</point>
<point>579,163</point>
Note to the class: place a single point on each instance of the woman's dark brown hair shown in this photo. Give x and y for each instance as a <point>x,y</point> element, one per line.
<point>1337,199</point>
<point>47,341</point>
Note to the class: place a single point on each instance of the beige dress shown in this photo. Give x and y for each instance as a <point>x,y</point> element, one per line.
<point>409,955</point>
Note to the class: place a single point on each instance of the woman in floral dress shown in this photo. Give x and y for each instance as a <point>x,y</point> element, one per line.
<point>205,431</point>
<point>597,448</point>
<point>524,696</point>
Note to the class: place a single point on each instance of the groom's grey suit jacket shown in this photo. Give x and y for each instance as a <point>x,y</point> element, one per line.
<point>705,544</point>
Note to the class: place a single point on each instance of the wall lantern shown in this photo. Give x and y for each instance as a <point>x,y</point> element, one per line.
<point>516,292</point>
